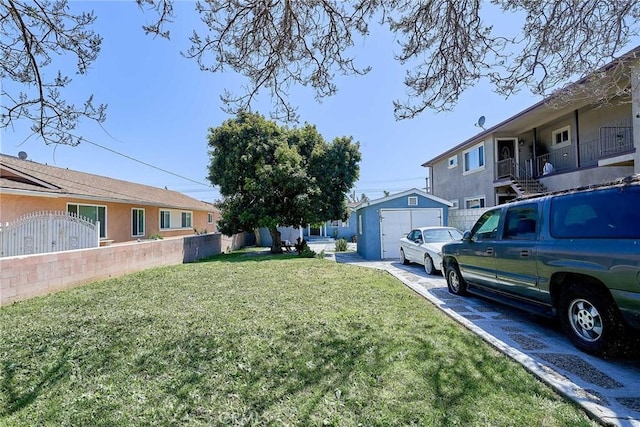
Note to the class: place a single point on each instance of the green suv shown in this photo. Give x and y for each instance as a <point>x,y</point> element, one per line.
<point>573,255</point>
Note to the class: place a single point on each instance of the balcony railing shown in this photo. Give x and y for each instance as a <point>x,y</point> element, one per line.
<point>562,160</point>
<point>613,141</point>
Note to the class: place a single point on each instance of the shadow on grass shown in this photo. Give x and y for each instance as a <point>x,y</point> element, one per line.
<point>352,372</point>
<point>252,256</point>
<point>18,400</point>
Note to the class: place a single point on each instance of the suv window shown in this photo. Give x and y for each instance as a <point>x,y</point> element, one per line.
<point>520,222</point>
<point>487,226</point>
<point>609,213</point>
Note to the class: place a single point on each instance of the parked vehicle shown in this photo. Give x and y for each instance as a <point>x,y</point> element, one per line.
<point>574,255</point>
<point>424,246</point>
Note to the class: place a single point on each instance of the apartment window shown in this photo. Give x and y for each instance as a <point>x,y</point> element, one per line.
<point>137,222</point>
<point>92,213</point>
<point>474,202</point>
<point>165,220</point>
<point>561,137</point>
<point>186,220</point>
<point>454,204</point>
<point>209,218</point>
<point>474,158</point>
<point>453,161</point>
<point>413,201</point>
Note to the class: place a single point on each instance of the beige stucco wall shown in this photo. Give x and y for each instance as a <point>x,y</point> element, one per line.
<point>118,227</point>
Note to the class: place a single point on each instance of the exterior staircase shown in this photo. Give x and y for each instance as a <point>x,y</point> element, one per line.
<point>520,179</point>
<point>527,186</point>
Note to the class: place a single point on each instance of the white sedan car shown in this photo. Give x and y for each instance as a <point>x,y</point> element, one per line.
<point>424,246</point>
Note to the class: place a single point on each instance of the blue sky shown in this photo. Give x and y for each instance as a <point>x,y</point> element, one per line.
<point>161,107</point>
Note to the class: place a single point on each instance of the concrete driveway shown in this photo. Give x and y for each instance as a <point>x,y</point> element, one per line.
<point>608,390</point>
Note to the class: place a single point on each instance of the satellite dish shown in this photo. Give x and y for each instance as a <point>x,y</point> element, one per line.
<point>22,155</point>
<point>481,121</point>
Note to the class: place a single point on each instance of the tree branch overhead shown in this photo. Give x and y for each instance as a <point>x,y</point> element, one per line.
<point>446,46</point>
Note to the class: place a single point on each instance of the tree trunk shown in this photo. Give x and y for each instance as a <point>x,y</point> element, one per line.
<point>276,241</point>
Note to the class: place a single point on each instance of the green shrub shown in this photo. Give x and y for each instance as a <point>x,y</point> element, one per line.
<point>307,252</point>
<point>341,245</point>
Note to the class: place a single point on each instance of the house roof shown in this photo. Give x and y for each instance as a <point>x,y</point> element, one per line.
<point>404,194</point>
<point>31,178</point>
<point>534,116</point>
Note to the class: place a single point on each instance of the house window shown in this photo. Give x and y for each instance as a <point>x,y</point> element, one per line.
<point>453,161</point>
<point>561,137</point>
<point>92,213</point>
<point>165,220</point>
<point>175,219</point>
<point>186,220</point>
<point>454,204</point>
<point>474,202</point>
<point>335,223</point>
<point>474,158</point>
<point>413,201</point>
<point>137,222</point>
<point>209,218</point>
<point>344,223</point>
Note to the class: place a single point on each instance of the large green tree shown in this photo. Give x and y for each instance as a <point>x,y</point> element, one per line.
<point>271,176</point>
<point>445,46</point>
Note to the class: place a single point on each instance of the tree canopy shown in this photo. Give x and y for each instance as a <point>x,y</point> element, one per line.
<point>445,45</point>
<point>270,175</point>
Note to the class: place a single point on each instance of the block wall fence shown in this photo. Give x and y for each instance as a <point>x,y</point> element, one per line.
<point>24,277</point>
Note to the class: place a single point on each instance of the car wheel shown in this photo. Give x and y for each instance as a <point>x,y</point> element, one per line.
<point>455,282</point>
<point>428,265</point>
<point>590,318</point>
<point>404,259</point>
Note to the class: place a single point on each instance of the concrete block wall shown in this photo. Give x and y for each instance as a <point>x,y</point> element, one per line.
<point>463,219</point>
<point>23,277</point>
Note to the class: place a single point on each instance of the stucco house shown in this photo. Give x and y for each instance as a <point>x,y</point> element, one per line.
<point>381,223</point>
<point>336,228</point>
<point>563,142</point>
<point>126,211</point>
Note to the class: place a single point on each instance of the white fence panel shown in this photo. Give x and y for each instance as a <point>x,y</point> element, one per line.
<point>42,232</point>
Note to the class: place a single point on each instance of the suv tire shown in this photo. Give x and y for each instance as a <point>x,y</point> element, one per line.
<point>455,282</point>
<point>590,318</point>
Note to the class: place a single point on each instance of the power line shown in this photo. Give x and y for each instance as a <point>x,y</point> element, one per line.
<point>147,164</point>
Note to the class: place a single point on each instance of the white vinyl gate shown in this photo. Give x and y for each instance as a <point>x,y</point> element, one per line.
<point>396,223</point>
<point>42,232</point>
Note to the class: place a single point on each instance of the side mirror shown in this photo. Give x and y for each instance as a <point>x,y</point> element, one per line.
<point>418,241</point>
<point>466,236</point>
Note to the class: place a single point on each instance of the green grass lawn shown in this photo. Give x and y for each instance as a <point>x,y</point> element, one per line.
<point>257,340</point>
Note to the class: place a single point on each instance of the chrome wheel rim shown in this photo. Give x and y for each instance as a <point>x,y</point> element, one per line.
<point>454,282</point>
<point>428,265</point>
<point>585,320</point>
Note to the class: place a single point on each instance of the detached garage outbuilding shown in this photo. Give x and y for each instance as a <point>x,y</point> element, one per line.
<point>383,222</point>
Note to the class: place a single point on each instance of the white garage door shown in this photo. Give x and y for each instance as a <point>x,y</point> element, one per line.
<point>396,223</point>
